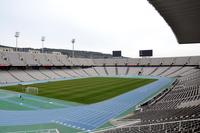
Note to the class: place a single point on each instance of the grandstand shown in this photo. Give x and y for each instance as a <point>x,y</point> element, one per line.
<point>168,67</point>
<point>71,91</point>
<point>174,109</point>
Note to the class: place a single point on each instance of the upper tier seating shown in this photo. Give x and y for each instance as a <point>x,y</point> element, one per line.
<point>64,60</point>
<point>121,61</point>
<point>145,61</point>
<point>14,58</point>
<point>36,59</point>
<point>110,62</point>
<point>29,59</point>
<point>195,60</point>
<point>168,61</point>
<point>81,61</point>
<point>42,59</point>
<point>89,62</point>
<point>76,61</point>
<point>52,58</point>
<point>98,62</point>
<point>181,61</point>
<point>156,61</point>
<point>133,61</point>
<point>3,60</point>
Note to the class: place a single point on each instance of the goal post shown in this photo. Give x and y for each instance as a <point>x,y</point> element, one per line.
<point>31,90</point>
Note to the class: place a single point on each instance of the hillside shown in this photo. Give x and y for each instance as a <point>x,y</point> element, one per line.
<point>77,53</point>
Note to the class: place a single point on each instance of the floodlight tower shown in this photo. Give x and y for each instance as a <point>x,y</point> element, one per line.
<point>73,42</point>
<point>16,35</point>
<point>43,39</point>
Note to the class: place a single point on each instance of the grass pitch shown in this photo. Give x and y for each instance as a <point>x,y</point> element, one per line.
<point>86,90</point>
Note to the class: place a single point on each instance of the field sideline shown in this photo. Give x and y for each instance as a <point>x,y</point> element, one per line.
<point>86,90</point>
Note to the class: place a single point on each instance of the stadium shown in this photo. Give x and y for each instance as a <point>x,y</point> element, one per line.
<point>51,92</point>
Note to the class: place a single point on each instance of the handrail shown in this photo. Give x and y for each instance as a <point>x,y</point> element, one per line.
<point>153,124</point>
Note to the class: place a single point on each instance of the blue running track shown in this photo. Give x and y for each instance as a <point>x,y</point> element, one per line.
<point>85,117</point>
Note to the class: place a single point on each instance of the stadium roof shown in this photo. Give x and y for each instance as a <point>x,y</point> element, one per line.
<point>183,16</point>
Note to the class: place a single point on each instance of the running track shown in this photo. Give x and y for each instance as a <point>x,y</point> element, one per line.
<point>85,117</point>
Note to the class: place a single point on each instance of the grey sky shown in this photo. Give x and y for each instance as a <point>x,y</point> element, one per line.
<point>97,25</point>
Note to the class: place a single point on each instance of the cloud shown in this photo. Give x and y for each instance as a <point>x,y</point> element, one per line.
<point>98,25</point>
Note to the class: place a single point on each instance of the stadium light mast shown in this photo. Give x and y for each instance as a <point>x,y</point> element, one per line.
<point>73,42</point>
<point>16,36</point>
<point>43,39</point>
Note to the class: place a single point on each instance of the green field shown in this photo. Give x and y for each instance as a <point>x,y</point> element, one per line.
<point>86,90</point>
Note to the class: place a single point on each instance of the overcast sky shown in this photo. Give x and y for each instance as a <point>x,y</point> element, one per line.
<point>97,25</point>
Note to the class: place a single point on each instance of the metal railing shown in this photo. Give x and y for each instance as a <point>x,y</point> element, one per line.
<point>148,125</point>
<point>38,131</point>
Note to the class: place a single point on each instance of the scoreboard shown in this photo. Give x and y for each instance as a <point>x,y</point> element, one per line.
<point>117,53</point>
<point>144,53</point>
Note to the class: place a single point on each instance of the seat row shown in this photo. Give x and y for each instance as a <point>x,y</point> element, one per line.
<point>176,110</point>
<point>29,75</point>
<point>44,59</point>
